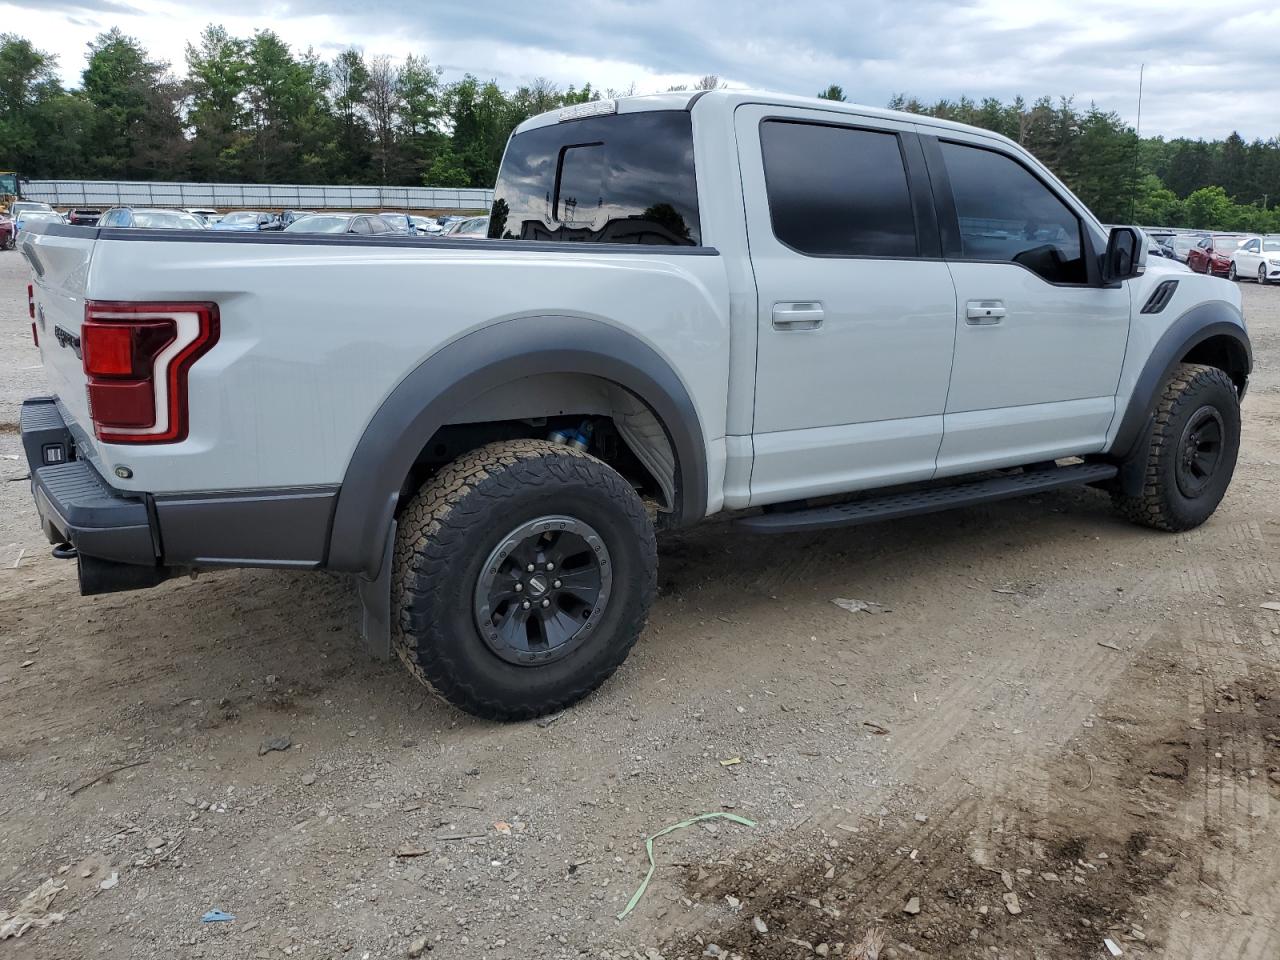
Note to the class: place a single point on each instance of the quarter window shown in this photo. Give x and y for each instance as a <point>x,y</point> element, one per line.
<point>837,191</point>
<point>1006,214</point>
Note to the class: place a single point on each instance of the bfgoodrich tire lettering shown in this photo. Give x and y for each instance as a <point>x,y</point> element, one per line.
<point>446,540</point>
<point>1190,453</point>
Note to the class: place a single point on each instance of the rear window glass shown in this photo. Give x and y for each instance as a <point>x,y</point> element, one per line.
<point>626,178</point>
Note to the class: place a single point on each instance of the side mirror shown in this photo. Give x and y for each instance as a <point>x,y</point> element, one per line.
<point>1126,255</point>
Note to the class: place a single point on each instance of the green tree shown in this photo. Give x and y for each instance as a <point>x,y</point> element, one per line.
<point>1155,204</point>
<point>480,119</point>
<point>1208,208</point>
<point>348,93</point>
<point>136,133</point>
<point>833,92</point>
<point>420,136</point>
<point>290,129</point>
<point>217,117</point>
<point>28,88</point>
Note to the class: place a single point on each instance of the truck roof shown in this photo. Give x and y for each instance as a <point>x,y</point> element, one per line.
<point>730,100</point>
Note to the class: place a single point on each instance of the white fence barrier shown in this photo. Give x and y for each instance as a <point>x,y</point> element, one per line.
<point>110,193</point>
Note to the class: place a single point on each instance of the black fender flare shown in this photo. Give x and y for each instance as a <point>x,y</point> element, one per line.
<point>1197,325</point>
<point>468,367</point>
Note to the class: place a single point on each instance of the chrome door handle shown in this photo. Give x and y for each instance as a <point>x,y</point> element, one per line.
<point>801,315</point>
<point>979,312</point>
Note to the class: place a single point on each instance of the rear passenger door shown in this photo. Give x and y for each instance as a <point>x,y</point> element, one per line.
<point>856,312</point>
<point>1040,342</point>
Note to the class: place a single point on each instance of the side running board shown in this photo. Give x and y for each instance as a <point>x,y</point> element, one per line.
<point>891,506</point>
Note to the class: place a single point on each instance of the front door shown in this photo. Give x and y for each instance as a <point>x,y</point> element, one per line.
<point>1248,258</point>
<point>1038,346</point>
<point>855,325</point>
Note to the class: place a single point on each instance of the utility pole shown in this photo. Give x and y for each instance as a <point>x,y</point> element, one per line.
<point>1137,148</point>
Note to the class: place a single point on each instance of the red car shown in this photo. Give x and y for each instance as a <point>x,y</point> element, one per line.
<point>1213,254</point>
<point>6,233</point>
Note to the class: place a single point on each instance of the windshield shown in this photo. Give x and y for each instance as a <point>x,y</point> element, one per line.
<point>166,220</point>
<point>626,178</point>
<point>44,216</point>
<point>241,218</point>
<point>1271,244</point>
<point>319,225</point>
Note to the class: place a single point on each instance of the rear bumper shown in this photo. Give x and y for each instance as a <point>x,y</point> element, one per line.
<point>75,504</point>
<point>261,528</point>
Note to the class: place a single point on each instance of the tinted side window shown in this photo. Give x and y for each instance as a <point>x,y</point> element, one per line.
<point>1007,214</point>
<point>626,178</point>
<point>837,191</point>
<point>359,225</point>
<point>377,225</point>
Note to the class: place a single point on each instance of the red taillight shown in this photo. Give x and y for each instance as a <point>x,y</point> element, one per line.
<point>114,349</point>
<point>136,357</point>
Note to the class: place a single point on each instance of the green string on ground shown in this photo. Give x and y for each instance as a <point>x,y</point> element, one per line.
<point>648,848</point>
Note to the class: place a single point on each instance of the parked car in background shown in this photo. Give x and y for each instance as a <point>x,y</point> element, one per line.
<point>363,224</point>
<point>7,238</point>
<point>1164,242</point>
<point>1212,254</point>
<point>473,228</point>
<point>246,221</point>
<point>83,216</point>
<point>151,218</point>
<point>1258,258</point>
<point>400,223</point>
<point>207,214</point>
<point>447,221</point>
<point>34,216</point>
<point>1154,249</point>
<point>1184,243</point>
<point>288,216</point>
<point>21,206</point>
<point>425,226</point>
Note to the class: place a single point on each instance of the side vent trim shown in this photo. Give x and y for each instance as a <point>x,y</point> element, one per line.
<point>1160,296</point>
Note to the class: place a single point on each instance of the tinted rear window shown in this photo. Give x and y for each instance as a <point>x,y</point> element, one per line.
<point>625,178</point>
<point>837,191</point>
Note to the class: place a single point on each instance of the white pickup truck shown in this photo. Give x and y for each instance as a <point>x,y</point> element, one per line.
<point>730,301</point>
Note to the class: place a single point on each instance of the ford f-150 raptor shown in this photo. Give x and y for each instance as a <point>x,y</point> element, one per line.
<point>814,313</point>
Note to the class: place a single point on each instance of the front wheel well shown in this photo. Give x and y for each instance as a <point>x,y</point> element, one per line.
<point>1224,352</point>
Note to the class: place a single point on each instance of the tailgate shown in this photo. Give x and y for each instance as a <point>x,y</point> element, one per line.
<point>60,271</point>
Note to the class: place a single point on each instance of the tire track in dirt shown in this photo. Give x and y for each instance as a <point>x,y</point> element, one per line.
<point>1228,908</point>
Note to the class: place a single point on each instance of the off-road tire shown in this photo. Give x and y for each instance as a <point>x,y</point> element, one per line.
<point>445,536</point>
<point>1162,503</point>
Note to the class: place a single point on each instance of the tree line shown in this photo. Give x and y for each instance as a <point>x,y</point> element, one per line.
<point>252,109</point>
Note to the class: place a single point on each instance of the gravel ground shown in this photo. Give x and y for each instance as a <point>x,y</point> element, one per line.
<point>1058,729</point>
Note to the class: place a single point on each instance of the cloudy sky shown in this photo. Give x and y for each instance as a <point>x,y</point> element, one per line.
<point>1211,67</point>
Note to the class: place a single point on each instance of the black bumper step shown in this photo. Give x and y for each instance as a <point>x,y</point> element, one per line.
<point>892,506</point>
<point>77,505</point>
<point>45,438</point>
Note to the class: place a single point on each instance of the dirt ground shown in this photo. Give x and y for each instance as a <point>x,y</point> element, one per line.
<point>1059,728</point>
